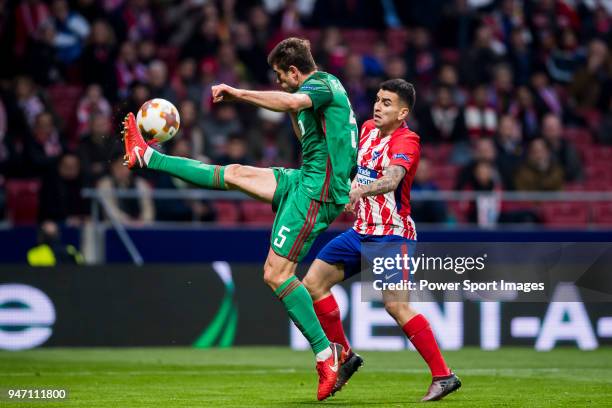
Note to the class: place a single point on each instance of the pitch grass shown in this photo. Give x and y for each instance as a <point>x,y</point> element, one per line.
<point>279,377</point>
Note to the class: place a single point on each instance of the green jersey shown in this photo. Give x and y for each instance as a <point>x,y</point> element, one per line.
<point>329,140</point>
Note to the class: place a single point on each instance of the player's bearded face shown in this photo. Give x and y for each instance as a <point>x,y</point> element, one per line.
<point>388,109</point>
<point>288,80</point>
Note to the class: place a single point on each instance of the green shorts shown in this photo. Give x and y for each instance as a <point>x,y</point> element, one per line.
<point>299,219</point>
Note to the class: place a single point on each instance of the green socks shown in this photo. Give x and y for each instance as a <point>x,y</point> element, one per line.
<point>195,172</point>
<point>298,303</point>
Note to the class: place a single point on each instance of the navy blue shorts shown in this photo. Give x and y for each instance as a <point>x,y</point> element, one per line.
<point>346,249</point>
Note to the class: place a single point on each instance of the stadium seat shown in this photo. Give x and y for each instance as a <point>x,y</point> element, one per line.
<point>459,209</point>
<point>22,201</point>
<point>565,214</point>
<point>598,185</point>
<point>438,153</point>
<point>592,117</point>
<point>583,150</point>
<point>255,212</point>
<point>445,176</point>
<point>600,171</point>
<point>578,136</point>
<point>429,151</point>
<point>602,214</point>
<point>312,35</point>
<point>360,35</point>
<point>508,206</point>
<point>227,212</point>
<point>450,56</point>
<point>64,99</point>
<point>597,154</point>
<point>444,183</point>
<point>360,41</point>
<point>582,141</point>
<point>170,55</point>
<point>574,187</point>
<point>396,40</point>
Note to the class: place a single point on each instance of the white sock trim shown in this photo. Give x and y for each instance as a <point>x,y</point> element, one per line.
<point>147,155</point>
<point>324,355</point>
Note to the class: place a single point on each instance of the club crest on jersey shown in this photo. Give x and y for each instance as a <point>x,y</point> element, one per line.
<point>375,155</point>
<point>401,156</point>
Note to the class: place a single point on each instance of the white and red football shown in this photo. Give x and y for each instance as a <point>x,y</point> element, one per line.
<point>158,120</point>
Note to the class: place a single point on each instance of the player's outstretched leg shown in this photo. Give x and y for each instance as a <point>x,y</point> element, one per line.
<point>319,280</point>
<point>417,329</point>
<point>138,154</point>
<point>279,275</point>
<point>259,183</point>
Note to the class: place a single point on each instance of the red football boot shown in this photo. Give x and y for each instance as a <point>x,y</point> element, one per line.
<point>135,146</point>
<point>328,372</point>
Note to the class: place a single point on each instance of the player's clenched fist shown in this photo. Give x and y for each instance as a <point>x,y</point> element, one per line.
<point>223,92</point>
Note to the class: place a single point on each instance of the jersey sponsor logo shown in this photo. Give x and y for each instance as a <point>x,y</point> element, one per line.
<point>365,175</point>
<point>311,88</point>
<point>401,156</point>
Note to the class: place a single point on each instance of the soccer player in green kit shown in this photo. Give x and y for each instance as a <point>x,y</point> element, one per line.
<point>305,200</point>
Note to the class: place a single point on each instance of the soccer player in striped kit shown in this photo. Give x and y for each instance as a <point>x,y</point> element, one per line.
<point>387,161</point>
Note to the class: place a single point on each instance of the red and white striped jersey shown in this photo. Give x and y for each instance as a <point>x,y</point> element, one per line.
<point>389,213</point>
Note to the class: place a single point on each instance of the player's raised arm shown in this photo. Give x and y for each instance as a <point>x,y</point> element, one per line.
<point>273,100</point>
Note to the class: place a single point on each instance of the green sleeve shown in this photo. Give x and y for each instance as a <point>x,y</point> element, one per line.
<point>320,94</point>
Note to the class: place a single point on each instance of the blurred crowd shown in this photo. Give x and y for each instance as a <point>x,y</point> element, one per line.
<point>511,94</point>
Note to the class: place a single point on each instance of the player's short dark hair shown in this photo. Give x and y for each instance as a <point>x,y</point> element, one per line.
<point>293,51</point>
<point>403,89</point>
